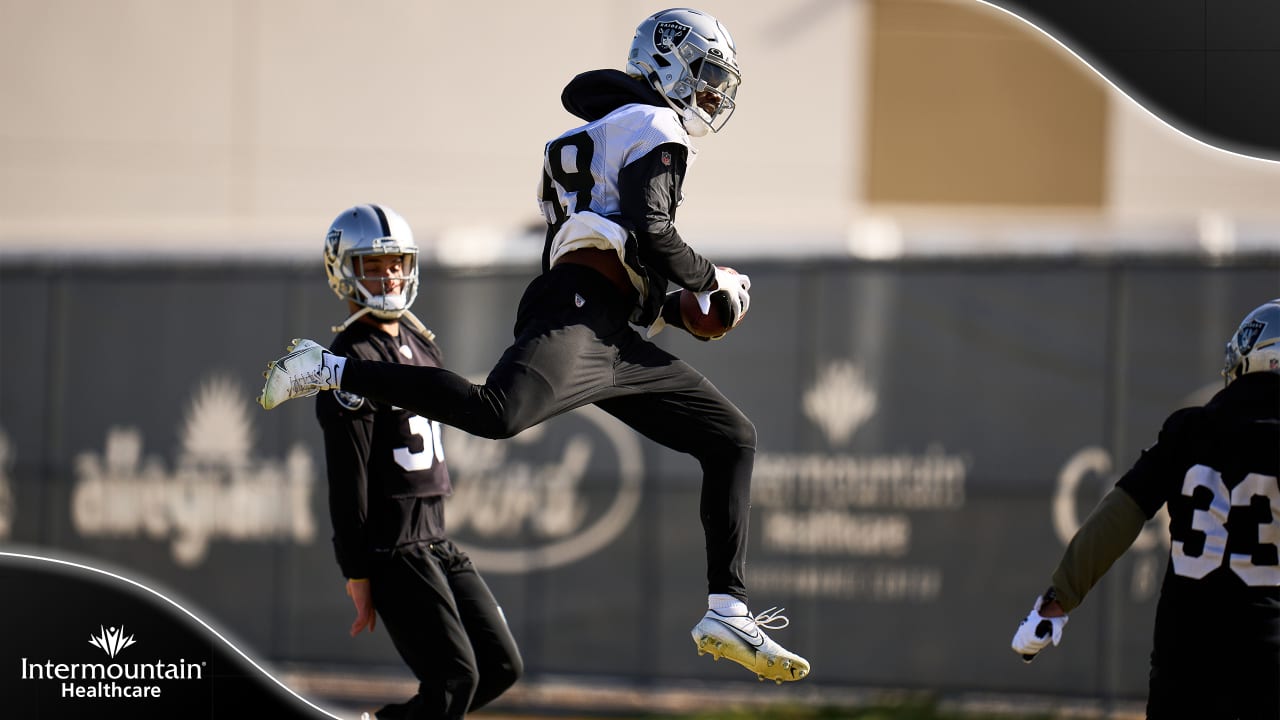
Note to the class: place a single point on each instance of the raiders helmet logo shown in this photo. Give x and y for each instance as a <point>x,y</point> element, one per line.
<point>350,401</point>
<point>1249,335</point>
<point>331,242</point>
<point>669,34</point>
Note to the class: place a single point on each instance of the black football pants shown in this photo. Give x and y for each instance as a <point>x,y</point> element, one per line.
<point>1214,660</point>
<point>448,628</point>
<point>574,346</point>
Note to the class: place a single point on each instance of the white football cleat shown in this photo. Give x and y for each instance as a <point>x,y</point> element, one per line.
<point>739,638</point>
<point>306,370</point>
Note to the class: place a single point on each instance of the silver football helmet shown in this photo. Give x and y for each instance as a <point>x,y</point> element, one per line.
<point>1255,345</point>
<point>361,232</point>
<point>688,57</point>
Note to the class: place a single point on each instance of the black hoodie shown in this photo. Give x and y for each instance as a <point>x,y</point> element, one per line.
<point>649,191</point>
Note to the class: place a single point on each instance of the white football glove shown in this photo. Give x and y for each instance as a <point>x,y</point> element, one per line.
<point>1036,631</point>
<point>731,289</point>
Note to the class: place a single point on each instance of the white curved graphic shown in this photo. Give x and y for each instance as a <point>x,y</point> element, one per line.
<point>544,497</point>
<point>1124,92</point>
<point>78,566</point>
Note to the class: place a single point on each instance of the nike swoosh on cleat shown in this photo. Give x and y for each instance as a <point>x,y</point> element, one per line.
<point>755,640</point>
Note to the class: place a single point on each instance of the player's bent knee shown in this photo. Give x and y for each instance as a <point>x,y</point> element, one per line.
<point>463,686</point>
<point>509,674</point>
<point>745,434</point>
<point>496,679</point>
<point>738,436</point>
<point>496,424</point>
<point>503,428</point>
<point>729,445</point>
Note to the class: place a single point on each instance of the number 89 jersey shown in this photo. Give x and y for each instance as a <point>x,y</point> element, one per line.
<point>582,167</point>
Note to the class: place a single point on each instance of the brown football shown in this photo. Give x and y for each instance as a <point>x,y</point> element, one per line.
<point>714,323</point>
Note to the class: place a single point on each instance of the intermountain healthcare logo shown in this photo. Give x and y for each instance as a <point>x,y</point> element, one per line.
<point>217,490</point>
<point>137,680</point>
<point>849,515</point>
<point>840,401</point>
<point>111,641</point>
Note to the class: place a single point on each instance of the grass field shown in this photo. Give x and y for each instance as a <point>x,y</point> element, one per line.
<point>578,699</point>
<point>908,708</point>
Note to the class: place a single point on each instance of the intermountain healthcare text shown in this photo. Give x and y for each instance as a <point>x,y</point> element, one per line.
<point>105,676</point>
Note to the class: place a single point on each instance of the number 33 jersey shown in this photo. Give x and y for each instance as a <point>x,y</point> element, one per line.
<point>386,467</point>
<point>1216,467</point>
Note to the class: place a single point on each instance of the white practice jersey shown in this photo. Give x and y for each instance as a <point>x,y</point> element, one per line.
<point>583,164</point>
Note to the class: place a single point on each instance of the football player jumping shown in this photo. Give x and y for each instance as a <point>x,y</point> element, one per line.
<point>609,193</point>
<point>1216,649</point>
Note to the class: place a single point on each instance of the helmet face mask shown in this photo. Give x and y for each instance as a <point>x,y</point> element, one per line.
<point>1255,345</point>
<point>689,58</point>
<point>384,293</point>
<point>364,232</point>
<point>709,90</point>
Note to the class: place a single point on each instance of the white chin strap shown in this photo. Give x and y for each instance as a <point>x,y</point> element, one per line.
<point>693,123</point>
<point>406,315</point>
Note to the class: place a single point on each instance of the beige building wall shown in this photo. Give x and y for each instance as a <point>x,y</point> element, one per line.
<point>246,125</point>
<point>969,109</point>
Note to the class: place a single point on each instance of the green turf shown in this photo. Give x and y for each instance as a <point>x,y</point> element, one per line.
<point>906,711</point>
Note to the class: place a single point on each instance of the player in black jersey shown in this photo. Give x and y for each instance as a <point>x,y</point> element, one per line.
<point>387,485</point>
<point>609,194</point>
<point>1216,651</point>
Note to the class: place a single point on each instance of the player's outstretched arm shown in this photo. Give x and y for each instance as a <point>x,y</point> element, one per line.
<point>1102,538</point>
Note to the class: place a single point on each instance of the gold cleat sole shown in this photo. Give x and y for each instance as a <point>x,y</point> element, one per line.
<point>765,667</point>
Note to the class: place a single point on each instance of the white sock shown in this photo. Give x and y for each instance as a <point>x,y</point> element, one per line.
<point>726,604</point>
<point>336,363</point>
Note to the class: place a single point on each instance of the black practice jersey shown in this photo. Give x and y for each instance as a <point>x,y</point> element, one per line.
<point>1216,468</point>
<point>386,468</point>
